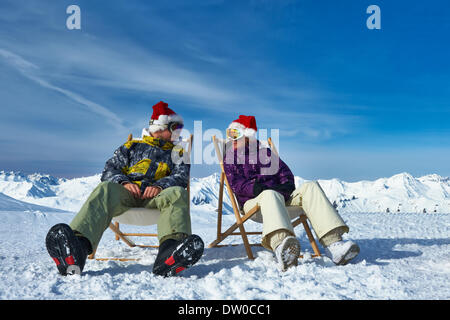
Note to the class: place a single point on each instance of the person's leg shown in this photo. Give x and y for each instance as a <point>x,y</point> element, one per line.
<point>68,245</point>
<point>325,221</point>
<point>178,247</point>
<point>274,216</point>
<point>175,220</point>
<point>278,234</point>
<point>106,201</point>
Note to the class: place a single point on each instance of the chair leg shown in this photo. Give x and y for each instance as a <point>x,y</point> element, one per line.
<point>92,255</point>
<point>121,236</point>
<point>220,206</point>
<point>228,232</point>
<point>223,235</point>
<point>311,239</point>
<point>247,246</point>
<point>117,226</point>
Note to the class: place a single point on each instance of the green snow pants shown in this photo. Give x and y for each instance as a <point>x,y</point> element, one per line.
<point>109,200</point>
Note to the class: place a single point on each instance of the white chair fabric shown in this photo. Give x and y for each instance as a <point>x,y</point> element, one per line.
<point>139,217</point>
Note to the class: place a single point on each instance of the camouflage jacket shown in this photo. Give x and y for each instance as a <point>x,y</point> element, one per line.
<point>147,162</point>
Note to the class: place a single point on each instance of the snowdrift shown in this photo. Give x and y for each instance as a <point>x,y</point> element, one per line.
<point>10,204</point>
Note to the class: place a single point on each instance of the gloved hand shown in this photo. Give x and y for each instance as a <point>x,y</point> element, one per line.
<point>286,188</point>
<point>258,188</point>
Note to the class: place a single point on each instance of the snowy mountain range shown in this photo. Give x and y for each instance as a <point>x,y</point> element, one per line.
<point>399,193</point>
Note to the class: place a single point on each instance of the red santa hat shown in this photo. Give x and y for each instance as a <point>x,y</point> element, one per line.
<point>162,116</point>
<point>245,123</point>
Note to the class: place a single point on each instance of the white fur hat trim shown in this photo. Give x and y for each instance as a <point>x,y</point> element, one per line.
<point>248,132</point>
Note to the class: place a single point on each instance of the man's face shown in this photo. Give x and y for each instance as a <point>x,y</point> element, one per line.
<point>166,135</point>
<point>163,134</point>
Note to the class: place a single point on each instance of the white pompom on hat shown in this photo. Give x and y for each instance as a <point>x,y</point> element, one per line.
<point>245,123</point>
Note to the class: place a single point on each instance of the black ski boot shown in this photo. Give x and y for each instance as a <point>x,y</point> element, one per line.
<point>175,256</point>
<point>67,250</point>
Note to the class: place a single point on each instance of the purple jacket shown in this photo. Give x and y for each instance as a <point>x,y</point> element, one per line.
<point>252,173</point>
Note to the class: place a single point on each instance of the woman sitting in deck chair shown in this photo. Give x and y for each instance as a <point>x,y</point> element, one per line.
<point>269,183</point>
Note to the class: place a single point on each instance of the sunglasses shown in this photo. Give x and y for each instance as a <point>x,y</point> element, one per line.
<point>175,126</point>
<point>234,134</point>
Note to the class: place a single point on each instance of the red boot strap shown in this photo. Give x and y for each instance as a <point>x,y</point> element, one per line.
<point>70,260</point>
<point>179,269</point>
<point>170,261</point>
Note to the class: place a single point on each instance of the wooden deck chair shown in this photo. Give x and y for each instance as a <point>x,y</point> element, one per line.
<point>242,217</point>
<point>140,217</point>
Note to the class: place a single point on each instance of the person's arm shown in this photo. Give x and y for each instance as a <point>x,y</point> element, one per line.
<point>114,167</point>
<point>114,171</point>
<point>179,176</point>
<point>285,183</point>
<point>242,185</point>
<point>286,178</point>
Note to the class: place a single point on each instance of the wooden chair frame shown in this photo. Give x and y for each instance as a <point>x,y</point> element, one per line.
<point>115,227</point>
<point>242,217</point>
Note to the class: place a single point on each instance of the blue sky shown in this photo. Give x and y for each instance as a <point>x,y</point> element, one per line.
<point>350,103</point>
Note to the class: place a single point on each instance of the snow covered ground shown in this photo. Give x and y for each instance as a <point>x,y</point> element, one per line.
<point>403,256</point>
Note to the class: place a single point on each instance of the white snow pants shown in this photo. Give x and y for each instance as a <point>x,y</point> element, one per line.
<point>325,220</point>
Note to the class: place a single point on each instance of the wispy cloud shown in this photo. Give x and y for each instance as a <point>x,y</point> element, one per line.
<point>133,68</point>
<point>206,73</point>
<point>199,53</point>
<point>28,70</point>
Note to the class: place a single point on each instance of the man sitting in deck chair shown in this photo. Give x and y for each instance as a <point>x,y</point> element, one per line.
<point>141,173</point>
<point>256,181</point>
